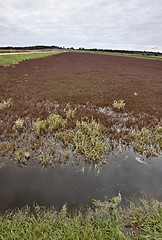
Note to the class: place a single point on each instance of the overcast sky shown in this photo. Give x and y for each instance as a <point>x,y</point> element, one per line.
<point>110,24</point>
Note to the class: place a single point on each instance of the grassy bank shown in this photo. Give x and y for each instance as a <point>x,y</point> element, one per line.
<point>124,55</point>
<point>16,58</point>
<point>105,221</point>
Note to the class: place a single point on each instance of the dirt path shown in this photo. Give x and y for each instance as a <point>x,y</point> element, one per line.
<point>83,77</point>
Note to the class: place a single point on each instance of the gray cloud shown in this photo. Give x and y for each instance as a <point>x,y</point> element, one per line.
<point>129,24</point>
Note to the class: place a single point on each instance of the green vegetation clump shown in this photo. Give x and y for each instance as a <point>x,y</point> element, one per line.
<point>69,112</point>
<point>52,123</point>
<point>86,138</point>
<point>6,148</point>
<point>89,140</point>
<point>21,155</point>
<point>19,124</point>
<point>5,104</point>
<point>147,140</point>
<point>119,104</point>
<point>39,126</point>
<point>55,122</point>
<point>105,221</point>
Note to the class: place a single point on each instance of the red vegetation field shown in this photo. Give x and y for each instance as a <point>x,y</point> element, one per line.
<point>83,77</point>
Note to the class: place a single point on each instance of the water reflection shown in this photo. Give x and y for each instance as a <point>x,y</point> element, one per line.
<point>55,186</point>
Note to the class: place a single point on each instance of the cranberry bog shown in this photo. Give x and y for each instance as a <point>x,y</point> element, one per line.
<point>80,126</point>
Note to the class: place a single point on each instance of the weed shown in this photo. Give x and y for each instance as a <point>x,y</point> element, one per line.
<point>6,148</point>
<point>67,155</point>
<point>89,140</point>
<point>27,155</point>
<point>55,121</point>
<point>19,124</point>
<point>119,104</point>
<point>36,143</point>
<point>69,112</point>
<point>45,157</point>
<point>147,140</point>
<point>46,153</point>
<point>21,156</point>
<point>52,123</point>
<point>106,208</point>
<point>143,221</point>
<point>39,127</point>
<point>66,137</point>
<point>5,104</point>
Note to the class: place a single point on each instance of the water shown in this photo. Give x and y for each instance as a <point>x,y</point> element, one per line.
<point>65,183</point>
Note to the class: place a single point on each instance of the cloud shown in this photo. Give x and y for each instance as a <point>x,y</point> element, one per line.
<point>132,24</point>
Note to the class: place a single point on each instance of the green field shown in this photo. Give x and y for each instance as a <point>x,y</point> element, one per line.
<point>9,59</point>
<point>151,57</point>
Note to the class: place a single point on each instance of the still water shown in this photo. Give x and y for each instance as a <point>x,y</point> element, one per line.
<point>77,185</point>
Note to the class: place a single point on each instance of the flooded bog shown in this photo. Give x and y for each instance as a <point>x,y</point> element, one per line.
<point>78,185</point>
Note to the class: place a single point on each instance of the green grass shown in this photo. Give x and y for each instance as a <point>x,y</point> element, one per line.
<point>89,140</point>
<point>124,55</point>
<point>146,140</point>
<point>86,138</point>
<point>105,221</point>
<point>9,59</point>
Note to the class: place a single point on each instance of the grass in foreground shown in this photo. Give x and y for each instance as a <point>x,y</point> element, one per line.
<point>9,59</point>
<point>106,221</point>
